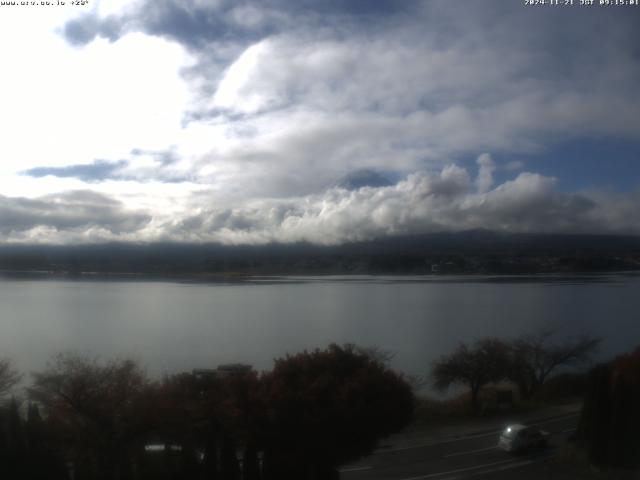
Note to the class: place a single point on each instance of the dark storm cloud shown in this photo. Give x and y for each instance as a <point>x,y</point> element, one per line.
<point>69,212</point>
<point>97,171</point>
<point>191,23</point>
<point>195,23</point>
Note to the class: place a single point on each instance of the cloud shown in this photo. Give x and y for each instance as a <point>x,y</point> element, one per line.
<point>71,216</point>
<point>197,23</point>
<point>448,200</point>
<point>514,165</point>
<point>293,95</point>
<point>485,172</point>
<point>97,171</point>
<point>364,178</point>
<point>100,101</point>
<point>414,98</point>
<point>84,29</point>
<point>280,99</point>
<point>422,203</point>
<point>145,166</point>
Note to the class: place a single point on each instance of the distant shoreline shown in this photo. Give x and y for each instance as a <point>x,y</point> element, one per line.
<point>429,256</point>
<point>242,278</point>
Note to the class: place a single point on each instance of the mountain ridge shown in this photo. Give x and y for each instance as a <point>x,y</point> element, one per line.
<point>476,251</point>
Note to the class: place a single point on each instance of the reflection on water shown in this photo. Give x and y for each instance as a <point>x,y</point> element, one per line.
<point>173,326</point>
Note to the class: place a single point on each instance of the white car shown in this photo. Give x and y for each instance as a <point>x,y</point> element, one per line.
<point>518,438</point>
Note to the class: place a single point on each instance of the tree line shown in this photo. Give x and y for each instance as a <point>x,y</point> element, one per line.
<point>527,362</point>
<point>610,419</point>
<point>88,419</point>
<point>607,432</point>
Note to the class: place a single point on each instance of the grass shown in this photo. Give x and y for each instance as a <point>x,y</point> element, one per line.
<point>562,389</point>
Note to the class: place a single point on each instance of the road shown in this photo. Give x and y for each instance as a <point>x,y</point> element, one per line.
<point>473,456</point>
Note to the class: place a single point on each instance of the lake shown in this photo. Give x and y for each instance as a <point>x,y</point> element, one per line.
<point>172,326</point>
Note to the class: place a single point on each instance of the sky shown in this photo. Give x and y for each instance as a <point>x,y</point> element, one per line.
<point>323,121</point>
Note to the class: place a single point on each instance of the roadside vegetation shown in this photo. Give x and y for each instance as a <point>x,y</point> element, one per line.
<point>85,419</point>
<point>522,369</point>
<point>606,440</point>
<point>492,377</point>
<point>533,368</point>
<point>561,389</point>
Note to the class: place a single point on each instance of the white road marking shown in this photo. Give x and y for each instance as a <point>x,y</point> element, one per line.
<point>467,437</point>
<point>511,464</point>
<point>493,470</point>
<point>441,442</point>
<point>459,470</point>
<point>355,469</point>
<point>458,454</point>
<point>552,420</point>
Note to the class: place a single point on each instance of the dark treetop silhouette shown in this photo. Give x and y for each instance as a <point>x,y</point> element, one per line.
<point>313,412</point>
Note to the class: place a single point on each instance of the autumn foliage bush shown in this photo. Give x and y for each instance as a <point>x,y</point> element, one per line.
<point>610,420</point>
<point>313,412</point>
<point>329,407</point>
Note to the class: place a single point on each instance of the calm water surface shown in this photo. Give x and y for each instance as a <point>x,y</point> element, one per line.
<point>178,326</point>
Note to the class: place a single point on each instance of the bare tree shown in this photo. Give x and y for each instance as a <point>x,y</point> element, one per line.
<point>535,357</point>
<point>100,408</point>
<point>9,377</point>
<point>475,366</point>
<point>377,354</point>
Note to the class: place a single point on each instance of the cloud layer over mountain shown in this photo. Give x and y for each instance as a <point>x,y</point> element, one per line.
<point>241,121</point>
<point>422,203</point>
